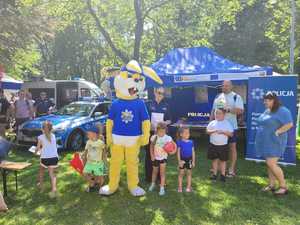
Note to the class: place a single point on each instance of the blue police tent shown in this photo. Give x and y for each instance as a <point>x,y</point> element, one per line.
<point>9,83</point>
<point>193,77</point>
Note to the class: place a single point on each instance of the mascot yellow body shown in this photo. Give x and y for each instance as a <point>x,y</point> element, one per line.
<point>128,126</point>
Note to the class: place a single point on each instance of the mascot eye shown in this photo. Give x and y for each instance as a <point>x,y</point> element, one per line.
<point>138,80</point>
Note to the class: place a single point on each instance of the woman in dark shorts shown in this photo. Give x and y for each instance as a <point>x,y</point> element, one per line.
<point>219,131</point>
<point>49,156</point>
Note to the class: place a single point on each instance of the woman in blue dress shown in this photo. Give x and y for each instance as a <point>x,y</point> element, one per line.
<point>271,140</point>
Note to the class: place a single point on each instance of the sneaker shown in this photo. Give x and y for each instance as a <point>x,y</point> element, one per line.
<point>90,189</point>
<point>188,190</point>
<point>152,186</point>
<point>223,178</point>
<point>162,192</point>
<point>231,174</point>
<point>213,177</point>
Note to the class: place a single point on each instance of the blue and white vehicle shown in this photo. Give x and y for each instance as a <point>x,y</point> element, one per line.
<point>69,124</point>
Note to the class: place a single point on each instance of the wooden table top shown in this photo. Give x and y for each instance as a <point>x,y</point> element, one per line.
<point>14,165</point>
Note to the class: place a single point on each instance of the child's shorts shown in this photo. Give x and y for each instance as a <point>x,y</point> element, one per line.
<point>156,162</point>
<point>218,152</point>
<point>49,162</point>
<point>187,164</point>
<point>97,169</point>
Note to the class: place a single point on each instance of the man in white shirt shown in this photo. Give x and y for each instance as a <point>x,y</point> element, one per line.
<point>234,106</point>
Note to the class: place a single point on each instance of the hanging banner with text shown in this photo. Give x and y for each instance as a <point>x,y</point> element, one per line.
<point>286,89</point>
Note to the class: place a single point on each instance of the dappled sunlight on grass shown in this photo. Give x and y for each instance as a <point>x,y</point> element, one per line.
<point>238,201</point>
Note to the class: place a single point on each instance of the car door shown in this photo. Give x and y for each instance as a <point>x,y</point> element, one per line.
<point>101,112</point>
<point>99,116</point>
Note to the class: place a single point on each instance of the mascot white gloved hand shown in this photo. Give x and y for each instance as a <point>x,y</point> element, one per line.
<point>128,126</point>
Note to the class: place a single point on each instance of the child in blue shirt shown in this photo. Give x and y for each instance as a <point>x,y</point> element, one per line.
<point>186,158</point>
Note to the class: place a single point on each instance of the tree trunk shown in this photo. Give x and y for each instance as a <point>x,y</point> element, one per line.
<point>139,28</point>
<point>106,35</point>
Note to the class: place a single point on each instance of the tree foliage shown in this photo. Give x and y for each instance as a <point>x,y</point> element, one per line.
<point>59,38</point>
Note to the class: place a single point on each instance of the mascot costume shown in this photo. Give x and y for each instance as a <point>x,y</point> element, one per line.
<point>128,126</point>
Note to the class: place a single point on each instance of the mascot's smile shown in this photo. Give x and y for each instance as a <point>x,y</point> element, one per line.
<point>132,91</point>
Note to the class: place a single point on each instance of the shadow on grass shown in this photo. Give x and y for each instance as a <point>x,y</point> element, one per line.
<point>238,201</point>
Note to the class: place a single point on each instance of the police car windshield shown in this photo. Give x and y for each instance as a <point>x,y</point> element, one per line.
<point>76,109</point>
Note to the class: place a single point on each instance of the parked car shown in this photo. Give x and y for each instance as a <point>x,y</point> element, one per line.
<point>69,124</point>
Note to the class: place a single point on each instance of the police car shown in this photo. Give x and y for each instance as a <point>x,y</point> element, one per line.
<point>69,124</point>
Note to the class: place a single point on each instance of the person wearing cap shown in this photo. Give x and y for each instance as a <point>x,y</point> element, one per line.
<point>4,112</point>
<point>43,105</point>
<point>233,105</point>
<point>159,111</point>
<point>271,140</point>
<point>94,156</point>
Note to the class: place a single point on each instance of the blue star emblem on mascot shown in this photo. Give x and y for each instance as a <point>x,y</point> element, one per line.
<point>128,126</point>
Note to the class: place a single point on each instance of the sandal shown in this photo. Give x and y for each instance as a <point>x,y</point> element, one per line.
<point>268,188</point>
<point>231,174</point>
<point>179,190</point>
<point>281,191</point>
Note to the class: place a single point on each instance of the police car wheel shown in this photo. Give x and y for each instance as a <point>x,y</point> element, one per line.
<point>76,140</point>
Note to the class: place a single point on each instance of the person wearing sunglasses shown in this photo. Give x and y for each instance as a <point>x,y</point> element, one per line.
<point>271,140</point>
<point>159,111</point>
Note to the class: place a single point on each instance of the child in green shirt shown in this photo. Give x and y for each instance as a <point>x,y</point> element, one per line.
<point>94,154</point>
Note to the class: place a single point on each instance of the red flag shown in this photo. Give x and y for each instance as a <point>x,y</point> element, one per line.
<point>77,163</point>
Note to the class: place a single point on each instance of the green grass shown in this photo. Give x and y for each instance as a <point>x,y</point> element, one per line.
<point>239,201</point>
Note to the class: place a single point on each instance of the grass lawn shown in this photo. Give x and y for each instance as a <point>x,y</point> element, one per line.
<point>238,201</point>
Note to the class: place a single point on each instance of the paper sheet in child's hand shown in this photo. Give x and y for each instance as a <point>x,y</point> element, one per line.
<point>32,149</point>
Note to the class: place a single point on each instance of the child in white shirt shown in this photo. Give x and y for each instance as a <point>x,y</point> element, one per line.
<point>49,156</point>
<point>219,131</point>
<point>159,156</point>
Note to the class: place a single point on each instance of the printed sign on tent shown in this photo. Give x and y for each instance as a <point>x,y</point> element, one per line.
<point>286,89</point>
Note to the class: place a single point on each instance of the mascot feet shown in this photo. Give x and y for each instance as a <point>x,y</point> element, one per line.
<point>138,191</point>
<point>105,191</point>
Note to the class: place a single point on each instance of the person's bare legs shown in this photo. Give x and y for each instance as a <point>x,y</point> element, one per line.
<point>180,178</point>
<point>154,174</point>
<point>233,158</point>
<point>99,180</point>
<point>222,166</point>
<point>272,178</point>
<point>277,172</point>
<point>162,171</point>
<point>41,177</point>
<point>53,179</point>
<point>90,179</point>
<point>3,206</point>
<point>189,180</point>
<point>214,166</point>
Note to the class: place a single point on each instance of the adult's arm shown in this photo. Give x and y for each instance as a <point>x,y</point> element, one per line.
<point>284,129</point>
<point>212,113</point>
<point>286,119</point>
<point>238,108</point>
